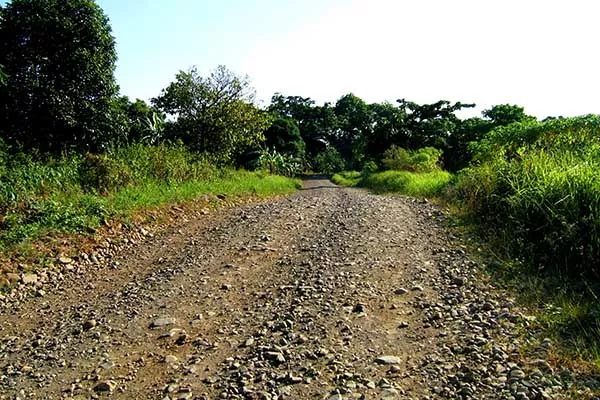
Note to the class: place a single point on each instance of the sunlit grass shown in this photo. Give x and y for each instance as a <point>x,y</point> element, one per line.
<point>425,184</point>
<point>75,193</point>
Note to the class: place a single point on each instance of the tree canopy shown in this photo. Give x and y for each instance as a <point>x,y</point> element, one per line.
<point>214,114</point>
<point>59,60</point>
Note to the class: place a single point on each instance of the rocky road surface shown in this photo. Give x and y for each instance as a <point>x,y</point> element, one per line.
<point>331,293</point>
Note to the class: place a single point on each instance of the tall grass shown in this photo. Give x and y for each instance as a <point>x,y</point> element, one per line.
<point>541,191</point>
<point>78,192</point>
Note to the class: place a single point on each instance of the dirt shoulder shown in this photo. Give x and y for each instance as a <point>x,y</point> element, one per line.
<point>329,293</point>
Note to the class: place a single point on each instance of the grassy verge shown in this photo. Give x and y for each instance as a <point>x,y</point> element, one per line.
<point>534,195</point>
<point>76,194</point>
<point>232,183</point>
<point>418,184</point>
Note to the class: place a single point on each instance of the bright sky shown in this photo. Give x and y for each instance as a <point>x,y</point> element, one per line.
<point>542,55</point>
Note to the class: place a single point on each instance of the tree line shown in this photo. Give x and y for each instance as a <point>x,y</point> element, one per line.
<point>58,94</point>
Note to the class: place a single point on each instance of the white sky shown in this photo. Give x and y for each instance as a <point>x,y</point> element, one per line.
<point>542,55</point>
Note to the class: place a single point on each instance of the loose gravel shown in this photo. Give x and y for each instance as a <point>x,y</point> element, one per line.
<point>331,293</point>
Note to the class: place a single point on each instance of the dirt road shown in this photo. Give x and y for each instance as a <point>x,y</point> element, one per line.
<point>331,293</point>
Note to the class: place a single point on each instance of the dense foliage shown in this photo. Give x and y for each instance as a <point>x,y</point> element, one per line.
<point>538,184</point>
<point>58,58</point>
<point>213,114</point>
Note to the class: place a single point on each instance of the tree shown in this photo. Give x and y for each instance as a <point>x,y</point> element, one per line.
<point>141,122</point>
<point>431,124</point>
<point>317,124</point>
<point>471,130</point>
<point>388,129</point>
<point>354,126</point>
<point>2,75</point>
<point>506,114</point>
<point>284,136</point>
<point>214,114</point>
<point>59,60</point>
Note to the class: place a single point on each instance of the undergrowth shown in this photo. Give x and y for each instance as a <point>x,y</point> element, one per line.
<point>76,193</point>
<point>533,192</point>
<point>423,184</point>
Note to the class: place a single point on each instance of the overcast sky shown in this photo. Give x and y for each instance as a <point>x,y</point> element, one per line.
<point>542,55</point>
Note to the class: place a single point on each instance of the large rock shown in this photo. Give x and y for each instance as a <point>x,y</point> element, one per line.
<point>162,321</point>
<point>387,360</point>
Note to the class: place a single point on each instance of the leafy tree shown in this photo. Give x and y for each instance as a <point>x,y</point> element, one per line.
<point>431,124</point>
<point>506,114</point>
<point>467,131</point>
<point>59,59</point>
<point>474,129</point>
<point>329,161</point>
<point>354,125</point>
<point>284,137</point>
<point>425,159</point>
<point>2,75</point>
<point>213,114</point>
<point>142,123</point>
<point>317,124</point>
<point>388,129</point>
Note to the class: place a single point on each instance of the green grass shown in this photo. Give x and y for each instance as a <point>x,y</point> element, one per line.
<point>347,178</point>
<point>76,193</point>
<point>233,183</point>
<point>424,184</point>
<point>533,193</point>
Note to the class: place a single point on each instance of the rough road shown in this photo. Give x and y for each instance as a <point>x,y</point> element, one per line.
<point>331,293</point>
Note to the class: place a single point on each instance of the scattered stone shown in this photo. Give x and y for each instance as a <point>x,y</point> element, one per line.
<point>170,359</point>
<point>388,360</point>
<point>417,288</point>
<point>400,291</point>
<point>162,321</point>
<point>65,260</point>
<point>275,356</point>
<point>12,277</point>
<point>389,394</point>
<point>517,374</point>
<point>460,280</point>
<point>29,279</point>
<point>89,324</point>
<point>359,308</point>
<point>105,386</point>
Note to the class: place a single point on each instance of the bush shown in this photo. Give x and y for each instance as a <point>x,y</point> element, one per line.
<point>329,161</point>
<point>538,186</point>
<point>369,168</point>
<point>75,192</point>
<point>347,178</point>
<point>276,163</point>
<point>103,174</point>
<point>425,184</point>
<point>425,159</point>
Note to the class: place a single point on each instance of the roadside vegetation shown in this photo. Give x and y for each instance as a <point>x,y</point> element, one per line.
<point>412,173</point>
<point>75,152</point>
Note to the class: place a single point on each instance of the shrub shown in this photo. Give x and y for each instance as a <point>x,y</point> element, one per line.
<point>369,168</point>
<point>347,178</point>
<point>424,184</point>
<point>103,174</point>
<point>425,159</point>
<point>538,186</point>
<point>276,163</point>
<point>329,161</point>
